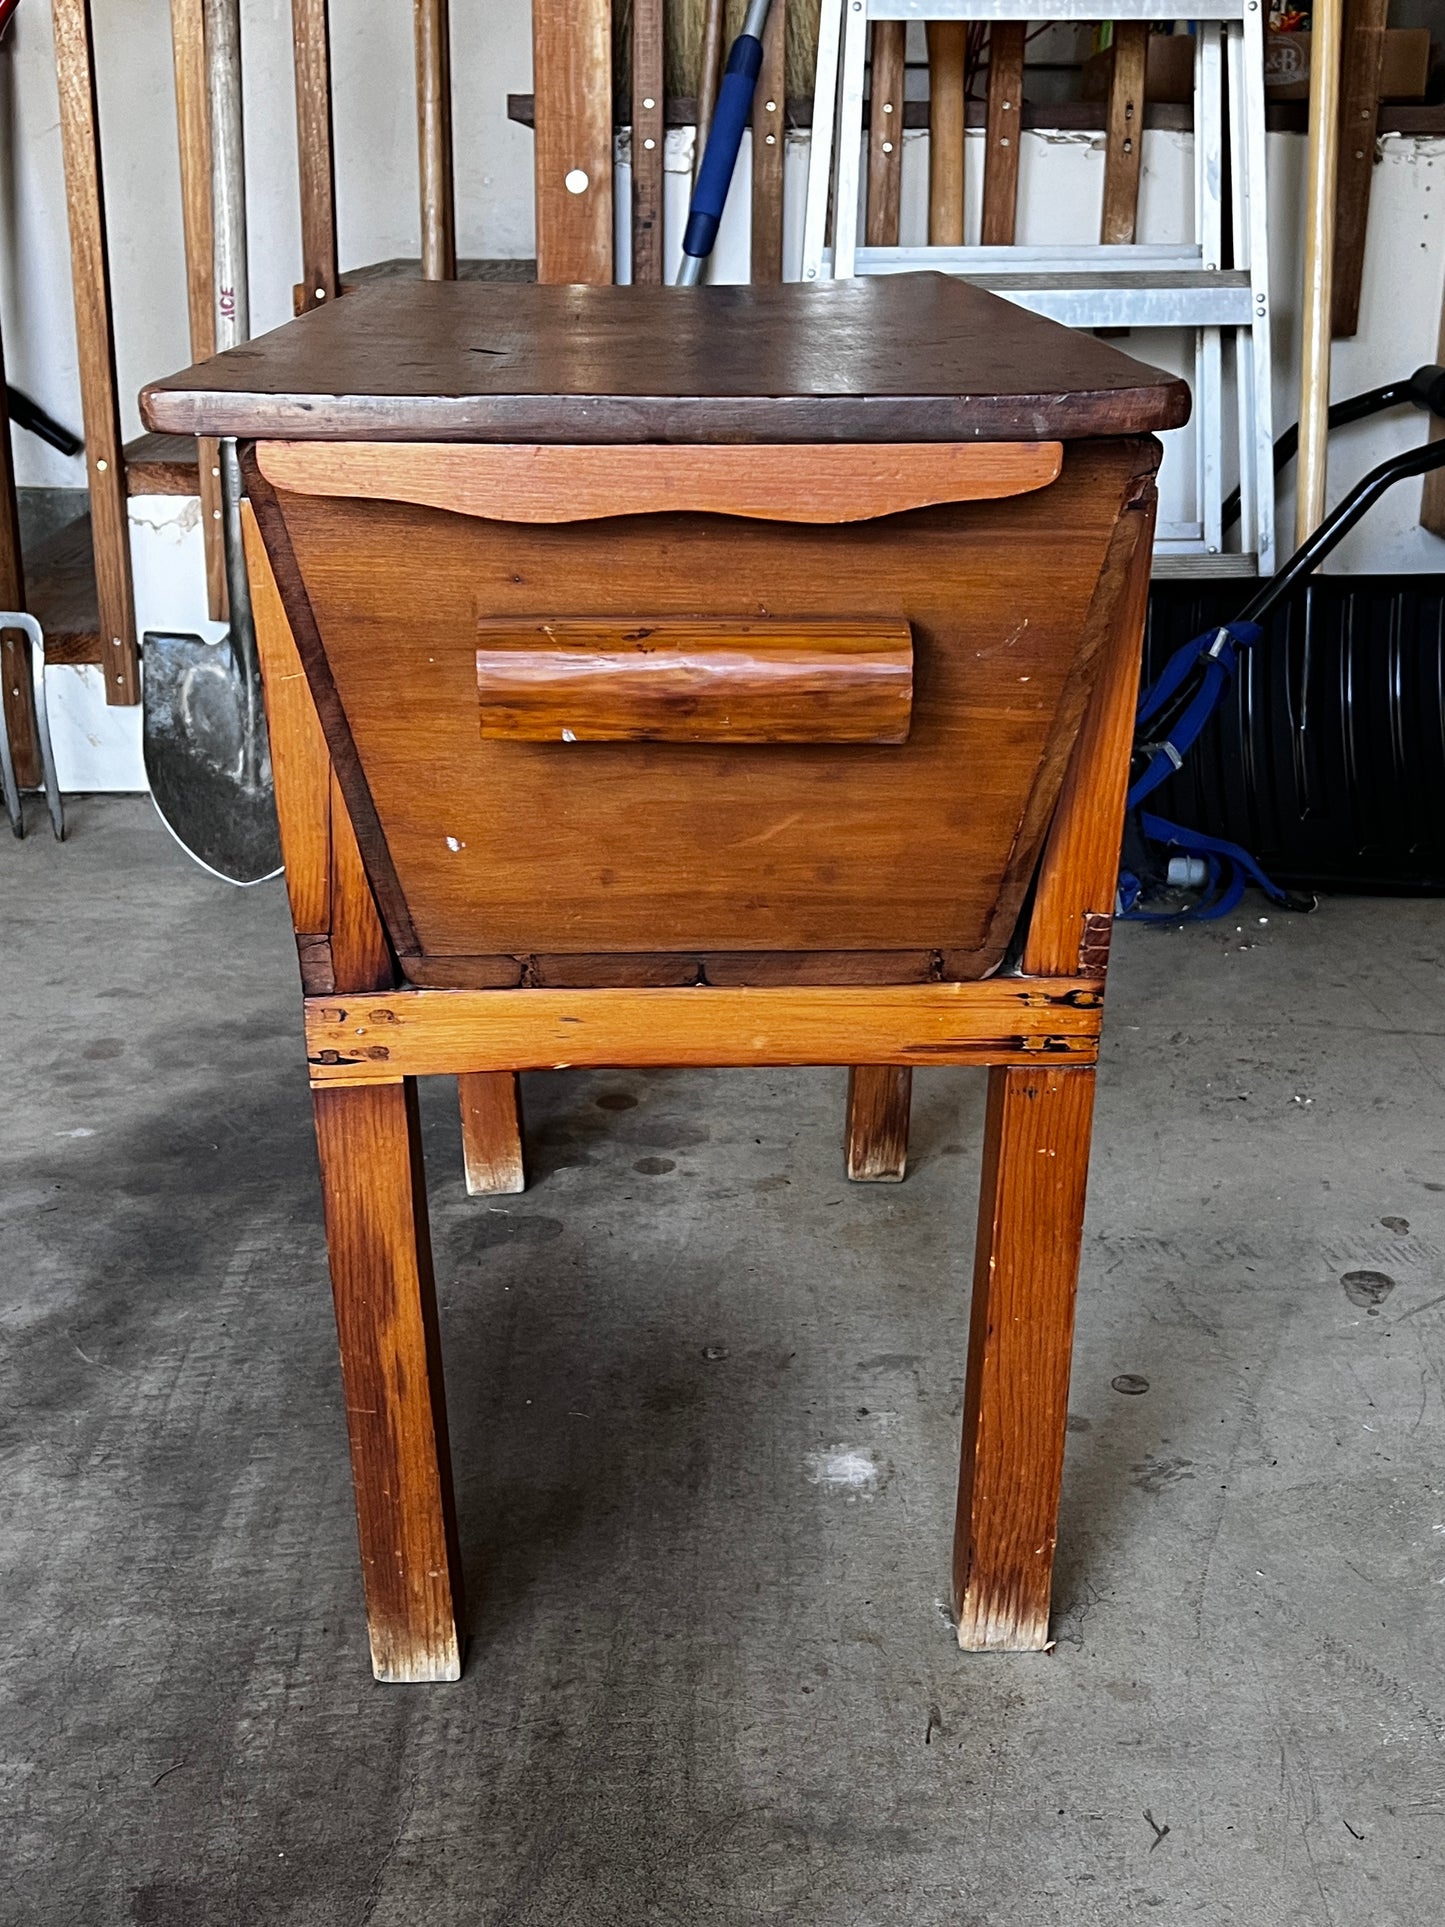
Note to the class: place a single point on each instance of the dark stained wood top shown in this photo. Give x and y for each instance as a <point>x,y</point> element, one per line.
<point>916,357</point>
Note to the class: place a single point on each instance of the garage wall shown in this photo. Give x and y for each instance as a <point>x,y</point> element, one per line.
<point>376,167</point>
<point>376,171</point>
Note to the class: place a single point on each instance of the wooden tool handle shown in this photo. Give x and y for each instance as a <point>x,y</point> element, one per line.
<point>434,140</point>
<point>1319,267</point>
<point>95,346</point>
<point>315,152</point>
<point>947,110</point>
<point>695,679</point>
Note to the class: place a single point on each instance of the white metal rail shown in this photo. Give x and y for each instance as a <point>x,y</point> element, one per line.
<point>1134,286</point>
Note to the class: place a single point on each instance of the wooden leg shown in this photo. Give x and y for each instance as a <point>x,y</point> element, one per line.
<point>1026,1265</point>
<point>492,1132</point>
<point>878,1100</point>
<point>381,1274</point>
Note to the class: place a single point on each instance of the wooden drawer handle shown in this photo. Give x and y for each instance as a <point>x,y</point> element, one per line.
<point>695,679</point>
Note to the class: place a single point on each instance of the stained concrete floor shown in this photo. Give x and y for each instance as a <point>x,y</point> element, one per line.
<point>705,1405</point>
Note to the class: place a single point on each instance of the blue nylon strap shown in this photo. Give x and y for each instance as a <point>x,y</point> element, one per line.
<point>1229,869</point>
<point>1174,672</point>
<point>1217,651</point>
<point>1196,843</point>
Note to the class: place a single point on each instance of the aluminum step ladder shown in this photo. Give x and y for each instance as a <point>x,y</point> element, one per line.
<point>1095,286</point>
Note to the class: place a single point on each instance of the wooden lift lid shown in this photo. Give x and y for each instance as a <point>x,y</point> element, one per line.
<point>906,358</point>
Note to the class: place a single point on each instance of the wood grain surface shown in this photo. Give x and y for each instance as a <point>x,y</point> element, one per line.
<point>925,845</point>
<point>648,135</point>
<point>876,1141</point>
<point>1003,126</point>
<point>193,126</point>
<point>947,78</point>
<point>664,970</point>
<point>377,1240</point>
<point>571,74</point>
<point>432,23</point>
<point>783,483</point>
<point>1021,1324</point>
<point>885,135</point>
<point>1124,135</point>
<point>769,126</point>
<point>420,1033</point>
<point>95,343</point>
<point>1364,52</point>
<point>315,150</point>
<point>710,60</point>
<point>882,358</point>
<point>1078,876</point>
<point>299,762</point>
<point>694,679</point>
<point>491,1105</point>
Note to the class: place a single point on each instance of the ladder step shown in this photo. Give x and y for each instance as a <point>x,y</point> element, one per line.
<point>1103,298</point>
<point>1041,10</point>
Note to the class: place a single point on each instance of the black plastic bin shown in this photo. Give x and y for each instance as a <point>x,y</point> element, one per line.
<point>1327,758</point>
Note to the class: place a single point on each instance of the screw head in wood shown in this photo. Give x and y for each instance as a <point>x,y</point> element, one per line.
<point>575,181</point>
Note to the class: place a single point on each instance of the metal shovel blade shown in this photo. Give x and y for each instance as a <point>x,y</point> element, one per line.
<point>206,755</point>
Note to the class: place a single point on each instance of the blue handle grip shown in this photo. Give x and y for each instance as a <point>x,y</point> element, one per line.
<point>725,137</point>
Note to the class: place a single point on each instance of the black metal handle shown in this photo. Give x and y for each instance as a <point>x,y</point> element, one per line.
<point>1341,519</point>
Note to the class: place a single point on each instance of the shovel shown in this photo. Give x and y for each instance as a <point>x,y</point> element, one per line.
<point>204,728</point>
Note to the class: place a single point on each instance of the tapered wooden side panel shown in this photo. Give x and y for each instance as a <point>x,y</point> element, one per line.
<point>885,135</point>
<point>879,1096</point>
<point>1026,1263</point>
<point>1124,138</point>
<point>360,954</point>
<point>491,1103</point>
<point>1078,878</point>
<point>572,81</point>
<point>1002,131</point>
<point>924,845</point>
<point>768,141</point>
<point>381,1270</point>
<point>95,343</point>
<point>518,482</point>
<point>299,762</point>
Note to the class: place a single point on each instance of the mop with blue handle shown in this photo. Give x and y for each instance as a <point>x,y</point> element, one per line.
<point>725,137</point>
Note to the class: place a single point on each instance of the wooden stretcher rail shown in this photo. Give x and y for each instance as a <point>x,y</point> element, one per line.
<point>523,482</point>
<point>376,1038</point>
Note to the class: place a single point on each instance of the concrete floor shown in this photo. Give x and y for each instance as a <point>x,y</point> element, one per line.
<point>705,1407</point>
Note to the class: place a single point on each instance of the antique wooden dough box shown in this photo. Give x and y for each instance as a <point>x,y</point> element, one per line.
<point>714,676</point>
